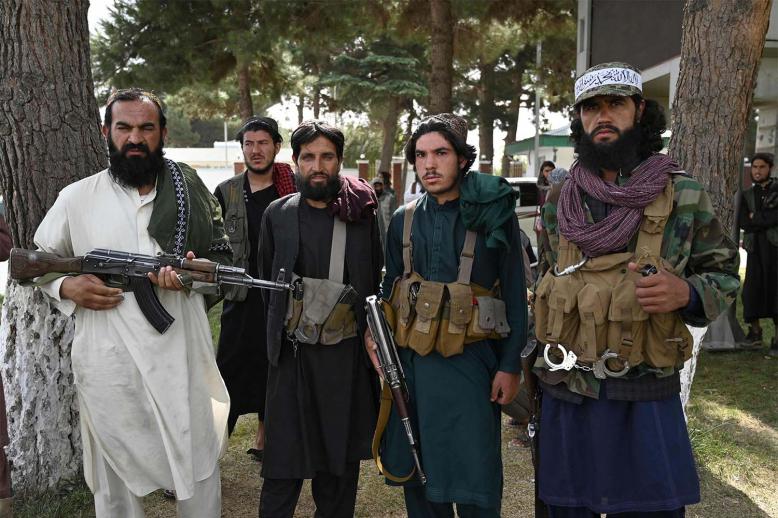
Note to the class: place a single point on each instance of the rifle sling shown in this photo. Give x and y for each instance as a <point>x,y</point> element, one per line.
<point>383,419</point>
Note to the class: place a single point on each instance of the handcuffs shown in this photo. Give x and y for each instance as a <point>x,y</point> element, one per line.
<point>570,361</point>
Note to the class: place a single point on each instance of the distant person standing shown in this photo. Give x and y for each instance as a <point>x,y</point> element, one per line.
<point>387,177</point>
<point>414,191</point>
<point>242,354</point>
<point>758,218</point>
<point>387,204</point>
<point>544,185</point>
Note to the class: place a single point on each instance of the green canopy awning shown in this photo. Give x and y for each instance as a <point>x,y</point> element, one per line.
<point>546,140</point>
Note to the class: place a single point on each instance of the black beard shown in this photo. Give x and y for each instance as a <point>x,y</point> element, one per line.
<point>259,171</point>
<point>135,171</point>
<point>325,192</point>
<point>620,155</point>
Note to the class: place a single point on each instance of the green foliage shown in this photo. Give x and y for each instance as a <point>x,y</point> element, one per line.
<point>361,139</point>
<point>189,44</point>
<point>507,47</point>
<point>212,130</point>
<point>374,72</point>
<point>367,57</point>
<point>179,130</point>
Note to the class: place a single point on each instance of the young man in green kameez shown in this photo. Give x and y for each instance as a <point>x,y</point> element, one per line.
<point>456,302</point>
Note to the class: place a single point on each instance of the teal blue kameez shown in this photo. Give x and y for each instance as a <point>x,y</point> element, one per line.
<point>457,424</point>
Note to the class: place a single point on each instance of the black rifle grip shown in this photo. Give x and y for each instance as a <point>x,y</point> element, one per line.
<point>150,306</point>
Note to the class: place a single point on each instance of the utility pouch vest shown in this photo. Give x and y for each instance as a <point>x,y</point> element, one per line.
<point>428,315</point>
<point>236,226</point>
<point>325,312</point>
<point>592,309</point>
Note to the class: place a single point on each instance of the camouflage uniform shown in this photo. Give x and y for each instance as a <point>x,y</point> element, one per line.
<point>694,243</point>
<point>621,445</point>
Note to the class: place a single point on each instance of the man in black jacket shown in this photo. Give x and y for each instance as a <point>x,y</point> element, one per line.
<point>758,218</point>
<point>321,394</point>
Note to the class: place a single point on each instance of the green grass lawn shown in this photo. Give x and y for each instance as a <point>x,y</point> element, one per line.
<point>733,424</point>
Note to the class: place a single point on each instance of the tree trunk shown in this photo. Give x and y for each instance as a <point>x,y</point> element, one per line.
<point>316,101</point>
<point>486,112</point>
<point>521,59</point>
<point>720,53</point>
<point>245,105</point>
<point>316,97</point>
<point>300,109</point>
<point>441,56</point>
<point>49,137</point>
<point>389,127</point>
<point>408,133</point>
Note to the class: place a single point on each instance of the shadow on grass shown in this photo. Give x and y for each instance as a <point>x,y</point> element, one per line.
<point>720,499</point>
<point>733,426</point>
<point>746,380</point>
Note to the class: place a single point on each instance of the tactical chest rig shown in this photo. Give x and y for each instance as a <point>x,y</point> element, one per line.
<point>427,315</point>
<point>587,314</point>
<point>236,226</point>
<point>323,310</point>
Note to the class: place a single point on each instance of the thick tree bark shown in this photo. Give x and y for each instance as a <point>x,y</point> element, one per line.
<point>720,53</point>
<point>245,105</point>
<point>441,56</point>
<point>486,111</point>
<point>389,127</point>
<point>49,137</point>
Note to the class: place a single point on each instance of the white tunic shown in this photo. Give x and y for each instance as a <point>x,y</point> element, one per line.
<point>154,404</point>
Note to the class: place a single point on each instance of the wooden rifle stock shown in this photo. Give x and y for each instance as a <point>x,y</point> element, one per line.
<point>28,264</point>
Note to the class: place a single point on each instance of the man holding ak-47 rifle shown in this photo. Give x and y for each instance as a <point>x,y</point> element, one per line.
<point>153,406</point>
<point>455,298</point>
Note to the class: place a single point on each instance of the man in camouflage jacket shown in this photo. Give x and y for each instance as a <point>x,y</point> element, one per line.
<point>620,444</point>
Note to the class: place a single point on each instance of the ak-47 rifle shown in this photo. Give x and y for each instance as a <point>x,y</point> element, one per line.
<point>130,272</point>
<point>392,370</point>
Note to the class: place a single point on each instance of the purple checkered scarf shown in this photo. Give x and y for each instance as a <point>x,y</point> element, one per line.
<point>646,182</point>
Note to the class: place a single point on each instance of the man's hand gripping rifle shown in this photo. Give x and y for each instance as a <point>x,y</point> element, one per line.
<point>393,374</point>
<point>130,272</point>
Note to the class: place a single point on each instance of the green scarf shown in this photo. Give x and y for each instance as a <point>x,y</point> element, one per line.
<point>186,216</point>
<point>486,203</point>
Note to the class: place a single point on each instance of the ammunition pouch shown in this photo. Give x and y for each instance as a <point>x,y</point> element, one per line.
<point>319,317</point>
<point>593,310</point>
<point>325,312</point>
<point>427,315</point>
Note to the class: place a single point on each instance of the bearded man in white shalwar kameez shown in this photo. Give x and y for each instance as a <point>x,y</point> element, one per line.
<point>153,406</point>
